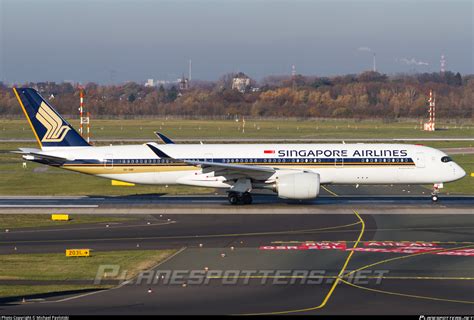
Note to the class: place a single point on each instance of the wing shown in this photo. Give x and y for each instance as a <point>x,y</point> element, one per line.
<point>235,171</point>
<point>223,169</point>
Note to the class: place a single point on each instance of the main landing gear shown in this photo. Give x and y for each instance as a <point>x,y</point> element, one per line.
<point>236,198</point>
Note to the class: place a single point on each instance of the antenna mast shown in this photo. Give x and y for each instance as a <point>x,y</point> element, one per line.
<point>83,120</point>
<point>293,76</point>
<point>430,125</point>
<point>374,66</point>
<point>442,64</point>
<point>190,69</point>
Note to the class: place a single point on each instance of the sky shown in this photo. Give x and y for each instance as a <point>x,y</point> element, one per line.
<point>112,41</point>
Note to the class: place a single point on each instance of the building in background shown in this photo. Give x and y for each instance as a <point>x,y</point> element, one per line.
<point>149,83</point>
<point>241,82</point>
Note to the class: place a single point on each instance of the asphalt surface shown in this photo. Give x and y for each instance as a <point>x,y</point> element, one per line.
<point>423,263</point>
<point>336,200</point>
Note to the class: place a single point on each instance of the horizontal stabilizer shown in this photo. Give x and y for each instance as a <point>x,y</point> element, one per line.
<point>36,156</point>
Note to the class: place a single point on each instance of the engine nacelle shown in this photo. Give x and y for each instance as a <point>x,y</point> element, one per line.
<point>301,185</point>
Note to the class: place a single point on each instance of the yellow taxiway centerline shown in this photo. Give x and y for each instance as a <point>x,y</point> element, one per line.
<point>338,278</point>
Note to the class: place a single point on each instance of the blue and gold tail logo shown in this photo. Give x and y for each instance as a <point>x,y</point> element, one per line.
<point>55,130</point>
<point>49,128</point>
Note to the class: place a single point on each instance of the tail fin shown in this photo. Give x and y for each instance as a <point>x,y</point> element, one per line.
<point>50,129</point>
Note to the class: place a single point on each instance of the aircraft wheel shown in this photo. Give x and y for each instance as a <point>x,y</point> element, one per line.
<point>233,198</point>
<point>247,198</point>
<point>434,198</point>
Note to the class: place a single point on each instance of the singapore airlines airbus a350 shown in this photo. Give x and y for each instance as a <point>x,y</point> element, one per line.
<point>291,171</point>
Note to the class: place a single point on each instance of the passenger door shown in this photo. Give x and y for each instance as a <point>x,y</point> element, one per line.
<point>420,160</point>
<point>109,161</point>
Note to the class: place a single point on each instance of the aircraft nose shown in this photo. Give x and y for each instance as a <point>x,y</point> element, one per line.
<point>459,172</point>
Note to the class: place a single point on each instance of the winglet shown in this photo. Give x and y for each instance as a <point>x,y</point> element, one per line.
<point>164,138</point>
<point>158,152</point>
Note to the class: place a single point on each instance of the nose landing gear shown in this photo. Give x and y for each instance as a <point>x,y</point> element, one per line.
<point>236,198</point>
<point>435,192</point>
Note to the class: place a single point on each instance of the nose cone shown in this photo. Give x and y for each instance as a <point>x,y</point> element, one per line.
<point>459,172</point>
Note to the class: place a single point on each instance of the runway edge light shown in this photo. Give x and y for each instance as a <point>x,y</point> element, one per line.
<point>60,217</point>
<point>122,183</point>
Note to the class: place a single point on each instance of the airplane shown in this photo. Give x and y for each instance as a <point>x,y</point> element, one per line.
<point>290,171</point>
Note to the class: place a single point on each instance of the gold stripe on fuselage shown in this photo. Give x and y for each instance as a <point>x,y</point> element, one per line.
<point>100,169</point>
<point>150,168</point>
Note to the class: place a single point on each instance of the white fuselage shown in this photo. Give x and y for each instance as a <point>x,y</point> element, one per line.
<point>335,163</point>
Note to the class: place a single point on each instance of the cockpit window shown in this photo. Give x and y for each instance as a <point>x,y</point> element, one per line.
<point>446,159</point>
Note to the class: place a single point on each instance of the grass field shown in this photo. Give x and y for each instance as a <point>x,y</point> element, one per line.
<point>56,266</point>
<point>14,221</point>
<point>203,129</point>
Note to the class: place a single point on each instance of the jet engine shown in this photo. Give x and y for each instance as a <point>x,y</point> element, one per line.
<point>301,185</point>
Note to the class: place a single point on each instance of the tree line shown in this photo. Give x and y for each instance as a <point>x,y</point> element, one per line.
<point>365,95</point>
